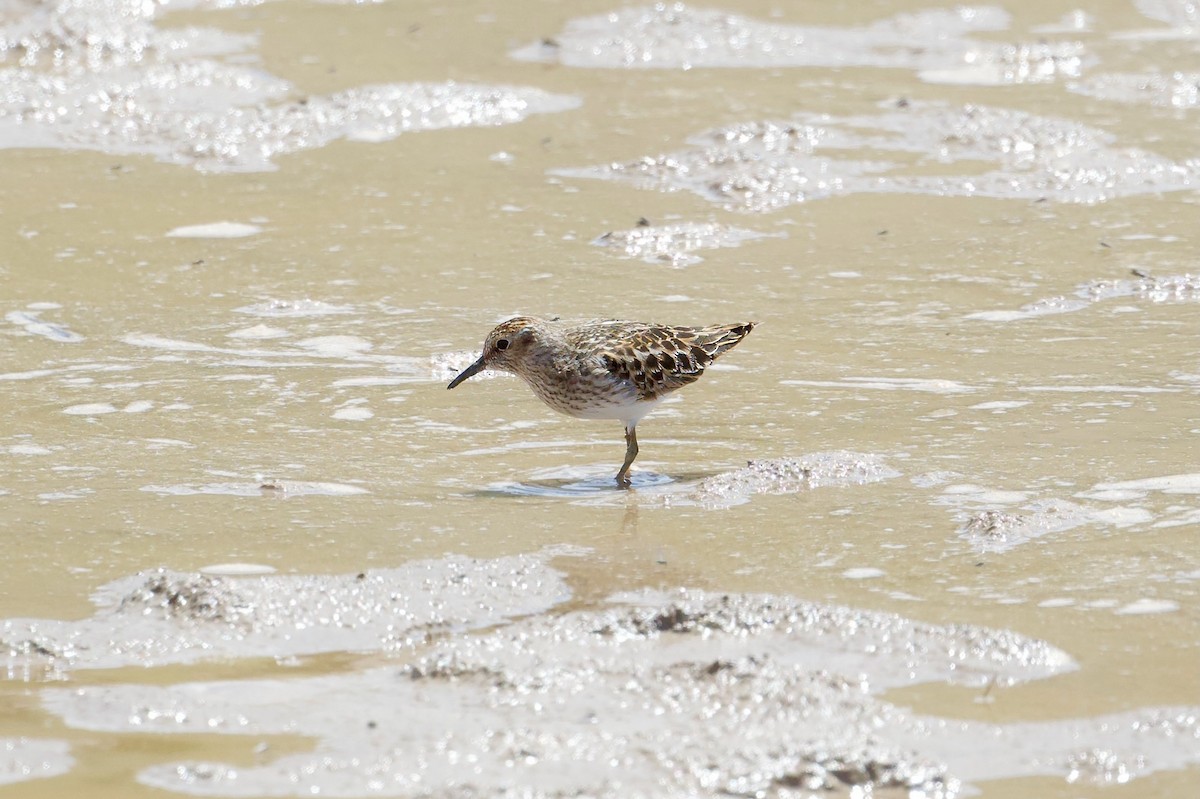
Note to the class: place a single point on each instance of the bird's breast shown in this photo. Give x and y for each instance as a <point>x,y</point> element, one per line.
<point>585,395</point>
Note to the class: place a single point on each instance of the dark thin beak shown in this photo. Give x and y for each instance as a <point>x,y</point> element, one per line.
<point>470,371</point>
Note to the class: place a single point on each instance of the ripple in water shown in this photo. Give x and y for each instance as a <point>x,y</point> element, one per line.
<point>576,483</point>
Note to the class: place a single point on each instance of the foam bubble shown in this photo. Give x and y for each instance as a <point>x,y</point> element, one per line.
<point>90,409</point>
<point>214,230</point>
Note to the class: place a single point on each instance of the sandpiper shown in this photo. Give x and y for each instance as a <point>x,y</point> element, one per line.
<point>604,369</point>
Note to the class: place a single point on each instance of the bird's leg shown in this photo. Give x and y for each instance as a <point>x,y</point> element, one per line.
<point>631,451</point>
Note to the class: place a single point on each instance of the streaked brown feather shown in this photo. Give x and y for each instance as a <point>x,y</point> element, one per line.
<point>658,359</point>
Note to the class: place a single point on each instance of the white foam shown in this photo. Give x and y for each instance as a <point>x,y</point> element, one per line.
<point>1102,389</point>
<point>676,36</point>
<point>293,308</point>
<point>1142,607</point>
<point>1185,518</point>
<point>930,385</point>
<point>161,443</point>
<point>356,414</point>
<point>36,327</point>
<point>23,759</point>
<point>335,346</point>
<point>27,449</point>
<point>237,569</point>
<point>1171,288</point>
<point>1071,22</point>
<point>30,375</point>
<point>863,573</point>
<point>999,405</point>
<point>354,382</point>
<point>258,333</point>
<point>90,409</point>
<point>163,343</point>
<point>55,496</point>
<point>1122,517</point>
<point>214,230</point>
<point>1170,484</point>
<point>985,495</point>
<point>1047,307</point>
<point>1111,496</point>
<point>676,244</point>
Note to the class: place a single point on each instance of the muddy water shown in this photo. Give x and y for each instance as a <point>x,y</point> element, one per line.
<point>972,401</point>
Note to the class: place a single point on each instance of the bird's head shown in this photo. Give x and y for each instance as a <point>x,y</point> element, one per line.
<point>503,348</point>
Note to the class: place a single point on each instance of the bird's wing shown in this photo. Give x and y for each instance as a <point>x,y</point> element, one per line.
<point>658,359</point>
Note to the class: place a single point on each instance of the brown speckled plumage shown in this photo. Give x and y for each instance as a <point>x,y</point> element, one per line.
<point>604,369</point>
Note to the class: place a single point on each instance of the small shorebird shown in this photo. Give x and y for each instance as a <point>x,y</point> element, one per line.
<point>604,369</point>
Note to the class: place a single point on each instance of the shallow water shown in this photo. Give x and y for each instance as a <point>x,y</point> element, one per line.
<point>970,408</point>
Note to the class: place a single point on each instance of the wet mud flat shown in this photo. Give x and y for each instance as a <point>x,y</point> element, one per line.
<point>487,676</point>
<point>499,686</point>
<point>112,77</point>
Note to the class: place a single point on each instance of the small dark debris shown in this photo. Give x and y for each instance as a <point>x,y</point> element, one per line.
<point>30,647</point>
<point>675,618</point>
<point>851,775</point>
<point>197,599</point>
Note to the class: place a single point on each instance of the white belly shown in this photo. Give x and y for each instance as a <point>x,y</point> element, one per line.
<point>589,399</point>
<point>626,412</point>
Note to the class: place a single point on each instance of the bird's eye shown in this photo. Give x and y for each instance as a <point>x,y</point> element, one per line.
<point>502,344</point>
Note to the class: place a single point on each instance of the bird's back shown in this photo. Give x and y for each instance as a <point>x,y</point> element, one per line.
<point>657,359</point>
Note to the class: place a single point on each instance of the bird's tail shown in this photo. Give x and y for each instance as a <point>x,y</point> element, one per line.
<point>719,339</point>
